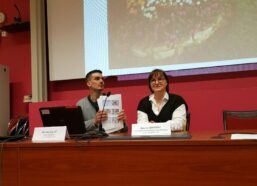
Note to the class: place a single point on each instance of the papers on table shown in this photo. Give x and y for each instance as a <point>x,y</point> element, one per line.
<point>112,106</point>
<point>243,136</point>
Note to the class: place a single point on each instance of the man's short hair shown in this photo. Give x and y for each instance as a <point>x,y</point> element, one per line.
<point>88,76</point>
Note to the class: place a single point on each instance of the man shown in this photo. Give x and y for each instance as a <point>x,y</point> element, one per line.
<point>93,116</point>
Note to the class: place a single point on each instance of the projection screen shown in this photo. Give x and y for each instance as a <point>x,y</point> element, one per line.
<point>124,37</point>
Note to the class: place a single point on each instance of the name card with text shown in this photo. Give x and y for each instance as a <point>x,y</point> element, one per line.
<point>151,129</point>
<point>50,134</point>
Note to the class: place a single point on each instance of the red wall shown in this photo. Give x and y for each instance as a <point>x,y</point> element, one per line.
<point>206,95</point>
<point>15,53</point>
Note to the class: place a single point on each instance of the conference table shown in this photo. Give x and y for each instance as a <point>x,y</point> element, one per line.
<point>205,159</point>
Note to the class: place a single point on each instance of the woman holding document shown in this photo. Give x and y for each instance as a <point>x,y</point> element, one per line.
<point>162,106</point>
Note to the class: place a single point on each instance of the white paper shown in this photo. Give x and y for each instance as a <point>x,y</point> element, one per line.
<point>50,134</point>
<point>244,136</point>
<point>112,106</point>
<point>151,129</point>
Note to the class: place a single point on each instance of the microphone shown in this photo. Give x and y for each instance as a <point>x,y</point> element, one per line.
<point>17,19</point>
<point>100,124</point>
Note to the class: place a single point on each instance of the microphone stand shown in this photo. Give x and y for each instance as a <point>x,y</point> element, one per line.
<point>101,130</point>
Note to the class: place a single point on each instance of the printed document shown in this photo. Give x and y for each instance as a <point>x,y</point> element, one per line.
<point>112,105</point>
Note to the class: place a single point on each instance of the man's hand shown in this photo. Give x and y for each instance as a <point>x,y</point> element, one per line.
<point>122,116</point>
<point>100,116</point>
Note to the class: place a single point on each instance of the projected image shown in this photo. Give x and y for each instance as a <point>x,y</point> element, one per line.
<point>144,33</point>
<point>132,37</point>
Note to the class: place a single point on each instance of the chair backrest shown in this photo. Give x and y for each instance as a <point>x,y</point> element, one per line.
<point>188,121</point>
<point>18,126</point>
<point>239,120</point>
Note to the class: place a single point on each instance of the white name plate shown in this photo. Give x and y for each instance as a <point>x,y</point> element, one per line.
<point>50,134</point>
<point>243,136</point>
<point>151,129</point>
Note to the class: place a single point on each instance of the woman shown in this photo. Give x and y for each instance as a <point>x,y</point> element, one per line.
<point>161,106</point>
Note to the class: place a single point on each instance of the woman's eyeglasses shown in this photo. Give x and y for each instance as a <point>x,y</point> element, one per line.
<point>155,80</point>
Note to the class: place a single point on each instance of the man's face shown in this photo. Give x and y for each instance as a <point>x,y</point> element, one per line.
<point>96,81</point>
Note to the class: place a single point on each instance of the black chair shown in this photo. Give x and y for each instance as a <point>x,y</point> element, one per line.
<point>239,120</point>
<point>188,121</point>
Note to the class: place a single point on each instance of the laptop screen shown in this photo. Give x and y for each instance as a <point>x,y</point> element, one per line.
<point>71,117</point>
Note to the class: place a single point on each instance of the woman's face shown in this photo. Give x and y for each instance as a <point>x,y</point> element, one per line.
<point>158,83</point>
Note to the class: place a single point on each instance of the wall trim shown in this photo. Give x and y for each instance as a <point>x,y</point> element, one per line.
<point>38,51</point>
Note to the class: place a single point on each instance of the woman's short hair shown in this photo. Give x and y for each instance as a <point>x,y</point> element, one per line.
<point>157,73</point>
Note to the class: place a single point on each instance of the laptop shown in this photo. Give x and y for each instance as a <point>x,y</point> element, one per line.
<point>71,117</point>
<point>11,138</point>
